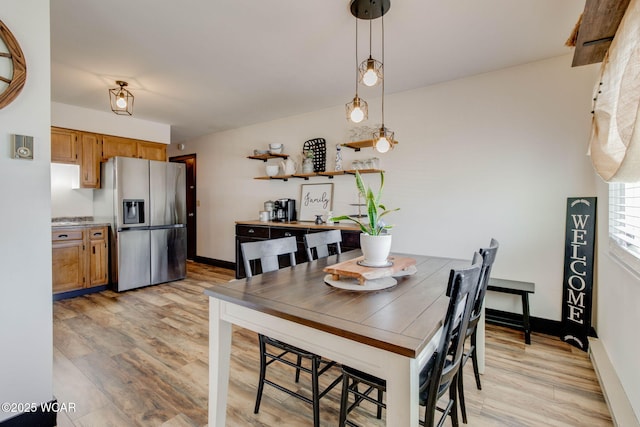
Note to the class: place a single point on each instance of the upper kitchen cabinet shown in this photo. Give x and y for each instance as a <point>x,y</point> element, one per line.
<point>152,151</point>
<point>64,146</point>
<point>90,154</point>
<point>113,146</point>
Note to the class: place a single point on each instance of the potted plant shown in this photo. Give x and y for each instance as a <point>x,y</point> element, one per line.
<point>375,241</point>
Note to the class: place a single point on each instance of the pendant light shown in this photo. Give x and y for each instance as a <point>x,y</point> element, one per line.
<point>370,70</point>
<point>121,99</point>
<point>357,110</point>
<point>383,138</point>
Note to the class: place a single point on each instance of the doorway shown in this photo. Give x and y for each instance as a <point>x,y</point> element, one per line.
<point>190,162</point>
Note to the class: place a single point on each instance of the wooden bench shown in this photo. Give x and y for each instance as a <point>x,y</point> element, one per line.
<point>513,287</point>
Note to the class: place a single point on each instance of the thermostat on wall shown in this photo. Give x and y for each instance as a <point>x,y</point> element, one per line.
<point>22,147</point>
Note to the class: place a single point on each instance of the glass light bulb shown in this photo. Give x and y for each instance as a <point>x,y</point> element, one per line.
<point>383,145</point>
<point>357,115</point>
<point>122,101</point>
<point>370,78</point>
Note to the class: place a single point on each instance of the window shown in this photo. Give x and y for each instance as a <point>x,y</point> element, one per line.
<point>624,223</point>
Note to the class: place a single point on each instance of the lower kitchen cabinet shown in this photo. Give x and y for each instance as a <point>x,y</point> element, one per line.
<point>254,233</point>
<point>98,256</point>
<point>80,258</point>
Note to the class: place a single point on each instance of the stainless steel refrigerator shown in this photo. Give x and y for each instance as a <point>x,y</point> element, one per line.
<point>144,200</point>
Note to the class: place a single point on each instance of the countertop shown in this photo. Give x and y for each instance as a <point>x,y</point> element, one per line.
<point>80,222</point>
<point>301,224</point>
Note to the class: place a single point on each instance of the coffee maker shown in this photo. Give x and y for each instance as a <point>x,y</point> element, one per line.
<point>285,210</point>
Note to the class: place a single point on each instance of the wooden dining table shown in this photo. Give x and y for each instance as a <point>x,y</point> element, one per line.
<point>388,333</point>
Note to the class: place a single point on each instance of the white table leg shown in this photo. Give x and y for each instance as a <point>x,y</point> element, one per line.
<point>402,392</point>
<point>219,357</point>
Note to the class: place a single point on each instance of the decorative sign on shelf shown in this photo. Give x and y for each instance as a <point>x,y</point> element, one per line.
<point>315,199</point>
<point>578,271</point>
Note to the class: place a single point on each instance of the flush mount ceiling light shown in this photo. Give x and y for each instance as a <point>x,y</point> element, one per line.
<point>357,110</point>
<point>121,99</point>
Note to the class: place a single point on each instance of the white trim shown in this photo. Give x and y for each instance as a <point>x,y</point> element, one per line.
<point>617,400</point>
<point>624,258</point>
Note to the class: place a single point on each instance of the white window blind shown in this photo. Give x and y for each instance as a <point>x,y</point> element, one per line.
<point>624,223</point>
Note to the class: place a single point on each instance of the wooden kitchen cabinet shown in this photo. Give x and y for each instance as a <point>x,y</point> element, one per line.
<point>152,151</point>
<point>64,146</point>
<point>113,146</point>
<point>90,155</point>
<point>98,256</point>
<point>80,258</point>
<point>68,255</point>
<point>89,149</point>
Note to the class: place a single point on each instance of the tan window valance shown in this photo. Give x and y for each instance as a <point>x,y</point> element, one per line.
<point>615,136</point>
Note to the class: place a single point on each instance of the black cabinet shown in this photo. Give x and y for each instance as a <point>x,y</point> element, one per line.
<point>254,233</point>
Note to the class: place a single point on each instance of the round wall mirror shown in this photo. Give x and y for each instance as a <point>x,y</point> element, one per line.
<point>13,67</point>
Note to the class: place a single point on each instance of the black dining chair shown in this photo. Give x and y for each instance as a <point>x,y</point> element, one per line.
<point>440,372</point>
<point>488,258</point>
<point>319,243</point>
<point>272,350</point>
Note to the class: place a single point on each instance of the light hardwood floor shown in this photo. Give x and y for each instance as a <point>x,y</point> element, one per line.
<point>139,358</point>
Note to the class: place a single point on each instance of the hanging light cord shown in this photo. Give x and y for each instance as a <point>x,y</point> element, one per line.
<point>383,64</point>
<point>356,56</point>
<point>370,37</point>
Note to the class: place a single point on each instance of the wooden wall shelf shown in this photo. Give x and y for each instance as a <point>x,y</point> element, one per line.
<point>329,175</point>
<point>265,157</point>
<point>357,145</point>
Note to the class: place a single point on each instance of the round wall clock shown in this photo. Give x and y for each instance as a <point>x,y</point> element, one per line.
<point>13,67</point>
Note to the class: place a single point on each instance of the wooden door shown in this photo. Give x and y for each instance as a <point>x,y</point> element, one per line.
<point>91,152</point>
<point>64,146</point>
<point>68,265</point>
<point>113,146</point>
<point>190,163</point>
<point>152,151</point>
<point>98,263</point>
<point>98,256</point>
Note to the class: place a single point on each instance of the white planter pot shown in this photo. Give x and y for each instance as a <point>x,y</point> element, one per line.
<point>375,249</point>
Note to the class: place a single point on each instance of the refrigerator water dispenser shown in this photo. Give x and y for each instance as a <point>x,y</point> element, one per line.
<point>132,211</point>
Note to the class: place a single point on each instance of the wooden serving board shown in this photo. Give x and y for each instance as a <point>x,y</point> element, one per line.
<point>352,269</point>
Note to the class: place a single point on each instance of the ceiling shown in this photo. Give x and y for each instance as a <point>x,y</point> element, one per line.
<point>204,66</point>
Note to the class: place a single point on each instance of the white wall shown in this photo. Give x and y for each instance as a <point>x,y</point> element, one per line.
<point>494,155</point>
<point>67,198</point>
<point>25,246</point>
<point>108,123</point>
<point>618,314</point>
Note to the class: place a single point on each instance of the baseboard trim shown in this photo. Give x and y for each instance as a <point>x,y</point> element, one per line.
<point>78,292</point>
<point>39,417</point>
<point>619,405</point>
<point>216,262</point>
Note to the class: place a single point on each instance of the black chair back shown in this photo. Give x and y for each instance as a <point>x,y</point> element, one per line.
<point>267,252</point>
<point>488,257</point>
<point>320,242</point>
<point>438,376</point>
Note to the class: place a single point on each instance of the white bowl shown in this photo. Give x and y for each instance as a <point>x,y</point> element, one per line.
<point>272,170</point>
<point>275,148</point>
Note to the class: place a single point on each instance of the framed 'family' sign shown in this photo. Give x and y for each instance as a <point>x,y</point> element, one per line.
<point>315,199</point>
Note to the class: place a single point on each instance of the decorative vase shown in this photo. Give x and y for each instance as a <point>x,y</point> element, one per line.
<point>375,249</point>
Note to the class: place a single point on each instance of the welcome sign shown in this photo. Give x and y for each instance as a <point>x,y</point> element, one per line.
<point>578,271</point>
